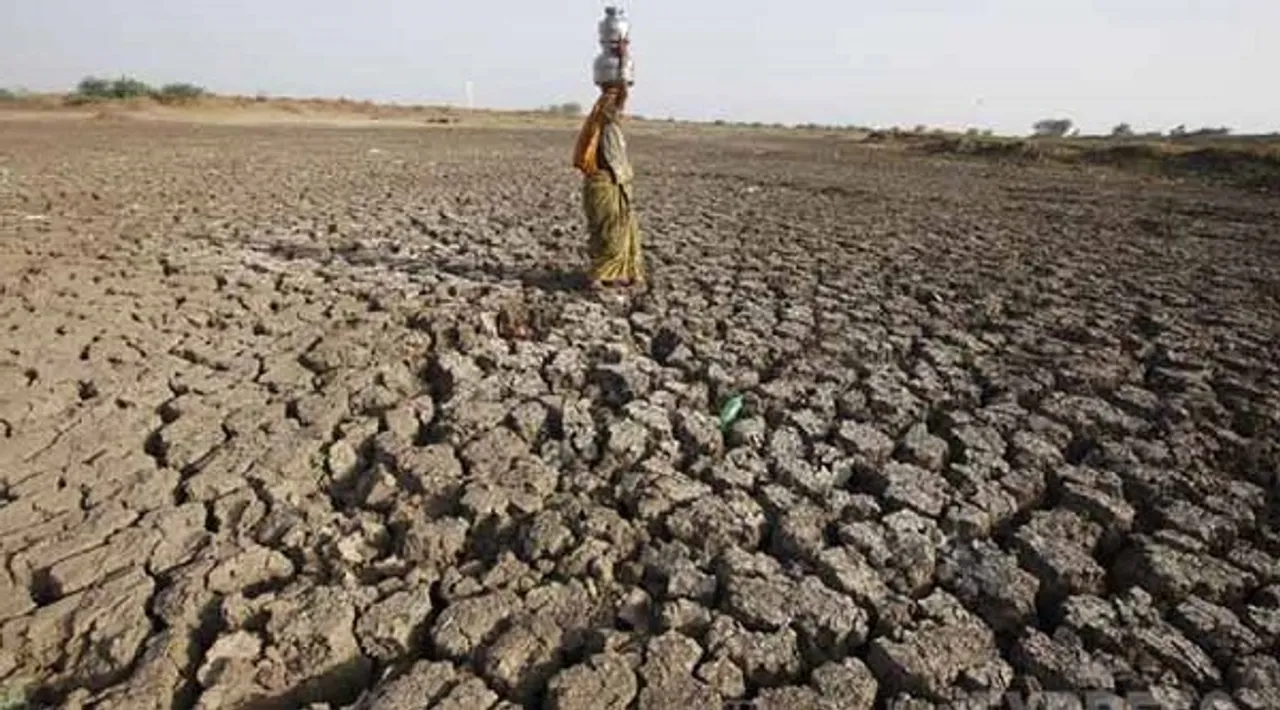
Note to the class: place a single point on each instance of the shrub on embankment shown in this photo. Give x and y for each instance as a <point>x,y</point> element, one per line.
<point>92,89</point>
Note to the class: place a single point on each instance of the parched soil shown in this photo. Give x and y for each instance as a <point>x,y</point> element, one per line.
<point>315,417</point>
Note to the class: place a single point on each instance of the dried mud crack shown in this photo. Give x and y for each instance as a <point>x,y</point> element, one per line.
<point>317,418</point>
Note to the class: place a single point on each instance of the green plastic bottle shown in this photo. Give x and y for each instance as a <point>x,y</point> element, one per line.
<point>730,411</point>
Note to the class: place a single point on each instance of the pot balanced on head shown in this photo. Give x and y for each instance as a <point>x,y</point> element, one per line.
<point>614,65</point>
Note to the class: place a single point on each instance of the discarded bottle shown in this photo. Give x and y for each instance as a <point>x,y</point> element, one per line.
<point>730,412</point>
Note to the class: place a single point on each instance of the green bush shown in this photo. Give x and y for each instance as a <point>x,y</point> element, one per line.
<point>1052,127</point>
<point>93,89</point>
<point>7,95</point>
<point>179,93</point>
<point>1210,132</point>
<point>571,108</point>
<point>128,88</point>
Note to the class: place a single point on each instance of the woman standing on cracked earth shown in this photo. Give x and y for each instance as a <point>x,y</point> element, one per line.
<point>601,155</point>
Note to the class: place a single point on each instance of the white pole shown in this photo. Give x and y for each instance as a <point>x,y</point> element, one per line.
<point>471,98</point>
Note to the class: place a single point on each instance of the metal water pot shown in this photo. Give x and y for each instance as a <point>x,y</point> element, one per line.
<point>609,67</point>
<point>614,28</point>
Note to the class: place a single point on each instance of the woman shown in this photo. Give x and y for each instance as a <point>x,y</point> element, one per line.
<point>601,155</point>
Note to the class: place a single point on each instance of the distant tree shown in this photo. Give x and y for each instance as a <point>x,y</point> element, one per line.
<point>95,88</point>
<point>7,95</point>
<point>1206,132</point>
<point>1053,127</point>
<point>1123,130</point>
<point>179,93</point>
<point>129,88</point>
<point>571,108</point>
<point>92,87</point>
<point>1209,132</point>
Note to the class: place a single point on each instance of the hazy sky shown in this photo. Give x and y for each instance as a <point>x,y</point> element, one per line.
<point>1000,64</point>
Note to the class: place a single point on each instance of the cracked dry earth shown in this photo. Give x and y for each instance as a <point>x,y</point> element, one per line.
<point>306,417</point>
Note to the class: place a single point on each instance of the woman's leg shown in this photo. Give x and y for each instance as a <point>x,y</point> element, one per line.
<point>614,244</point>
<point>635,253</point>
<point>631,233</point>
<point>596,206</point>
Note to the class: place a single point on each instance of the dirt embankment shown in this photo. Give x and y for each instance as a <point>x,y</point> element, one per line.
<point>1247,161</point>
<point>309,417</point>
<point>1252,164</point>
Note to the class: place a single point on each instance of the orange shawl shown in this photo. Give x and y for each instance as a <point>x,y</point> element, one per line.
<point>585,153</point>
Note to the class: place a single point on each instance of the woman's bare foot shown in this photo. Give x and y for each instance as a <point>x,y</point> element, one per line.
<point>611,284</point>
